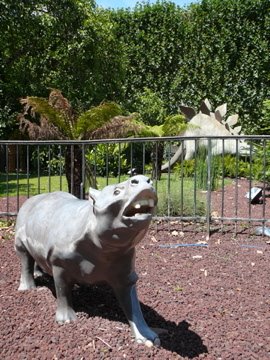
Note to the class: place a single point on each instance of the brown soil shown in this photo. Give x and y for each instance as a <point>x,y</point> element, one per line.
<point>213,301</point>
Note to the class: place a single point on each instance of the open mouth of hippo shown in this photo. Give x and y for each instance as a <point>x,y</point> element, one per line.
<point>141,208</point>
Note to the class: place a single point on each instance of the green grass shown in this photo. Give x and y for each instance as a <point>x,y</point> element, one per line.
<point>179,197</point>
<point>22,185</point>
<point>176,196</point>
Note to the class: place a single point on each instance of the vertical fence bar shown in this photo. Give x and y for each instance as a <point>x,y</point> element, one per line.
<point>17,178</point>
<point>7,181</point>
<point>182,182</point>
<point>38,167</point>
<point>82,185</point>
<point>264,182</point>
<point>60,168</point>
<point>28,170</point>
<point>209,189</point>
<point>236,186</point>
<point>169,186</point>
<point>156,166</point>
<point>95,165</point>
<point>195,180</point>
<point>72,169</point>
<point>49,168</point>
<point>222,185</point>
<point>250,185</point>
<point>119,162</point>
<point>107,164</point>
<point>131,159</point>
<point>143,158</point>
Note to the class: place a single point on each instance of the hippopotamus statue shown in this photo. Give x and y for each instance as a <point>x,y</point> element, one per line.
<point>88,241</point>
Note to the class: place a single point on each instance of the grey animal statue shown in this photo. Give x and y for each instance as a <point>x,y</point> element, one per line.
<point>204,124</point>
<point>88,241</point>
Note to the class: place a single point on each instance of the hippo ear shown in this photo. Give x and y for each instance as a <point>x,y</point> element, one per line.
<point>93,194</point>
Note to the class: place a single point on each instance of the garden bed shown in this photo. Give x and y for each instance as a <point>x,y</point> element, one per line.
<point>211,297</point>
<point>213,301</point>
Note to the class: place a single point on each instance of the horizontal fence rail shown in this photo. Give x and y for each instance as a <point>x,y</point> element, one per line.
<point>218,182</point>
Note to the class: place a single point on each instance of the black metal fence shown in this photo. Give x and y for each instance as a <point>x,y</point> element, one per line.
<point>219,182</point>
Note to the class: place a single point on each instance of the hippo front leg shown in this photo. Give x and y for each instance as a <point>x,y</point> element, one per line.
<point>27,281</point>
<point>63,288</point>
<point>128,299</point>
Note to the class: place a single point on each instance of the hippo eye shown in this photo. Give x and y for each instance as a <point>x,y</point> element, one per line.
<point>116,192</point>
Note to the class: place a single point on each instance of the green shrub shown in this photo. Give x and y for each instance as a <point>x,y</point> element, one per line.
<point>261,162</point>
<point>185,168</point>
<point>227,166</point>
<point>48,160</point>
<point>107,159</point>
<point>231,166</point>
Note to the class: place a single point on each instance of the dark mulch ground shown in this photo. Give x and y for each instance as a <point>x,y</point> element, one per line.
<point>213,301</point>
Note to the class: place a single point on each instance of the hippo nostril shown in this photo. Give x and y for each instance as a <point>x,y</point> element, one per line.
<point>134,181</point>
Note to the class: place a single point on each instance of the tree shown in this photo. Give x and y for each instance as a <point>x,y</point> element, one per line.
<point>59,44</point>
<point>217,49</point>
<point>226,58</point>
<point>153,41</point>
<point>55,118</point>
<point>152,113</point>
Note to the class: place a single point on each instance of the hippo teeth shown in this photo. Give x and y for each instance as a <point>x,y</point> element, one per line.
<point>140,203</point>
<point>143,206</point>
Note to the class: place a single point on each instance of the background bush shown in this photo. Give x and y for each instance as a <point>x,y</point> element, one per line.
<point>216,48</point>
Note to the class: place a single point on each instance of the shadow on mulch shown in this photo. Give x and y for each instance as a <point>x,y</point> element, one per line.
<point>99,301</point>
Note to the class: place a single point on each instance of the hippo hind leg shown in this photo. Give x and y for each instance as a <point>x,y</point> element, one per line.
<point>27,281</point>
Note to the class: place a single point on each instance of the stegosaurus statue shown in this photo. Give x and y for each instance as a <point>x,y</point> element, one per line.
<point>208,123</point>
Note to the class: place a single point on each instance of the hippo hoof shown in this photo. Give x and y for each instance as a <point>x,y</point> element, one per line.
<point>65,318</point>
<point>150,343</point>
<point>27,286</point>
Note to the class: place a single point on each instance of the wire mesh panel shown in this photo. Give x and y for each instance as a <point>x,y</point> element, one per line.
<point>213,181</point>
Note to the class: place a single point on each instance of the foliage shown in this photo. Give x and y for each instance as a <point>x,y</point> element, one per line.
<point>222,166</point>
<point>185,168</point>
<point>47,43</point>
<point>174,125</point>
<point>153,42</point>
<point>56,119</point>
<point>48,160</point>
<point>226,54</point>
<point>202,173</point>
<point>260,169</point>
<point>95,118</point>
<point>107,160</point>
<point>217,49</point>
<point>265,120</point>
<point>233,167</point>
<point>155,57</point>
<point>7,122</point>
<point>150,107</point>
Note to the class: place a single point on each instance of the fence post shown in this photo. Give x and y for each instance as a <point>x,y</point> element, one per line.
<point>208,201</point>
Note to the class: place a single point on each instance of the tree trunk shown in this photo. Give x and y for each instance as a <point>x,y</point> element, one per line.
<point>157,157</point>
<point>74,170</point>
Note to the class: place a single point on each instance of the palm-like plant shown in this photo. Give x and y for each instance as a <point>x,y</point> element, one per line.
<point>55,119</point>
<point>172,126</point>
